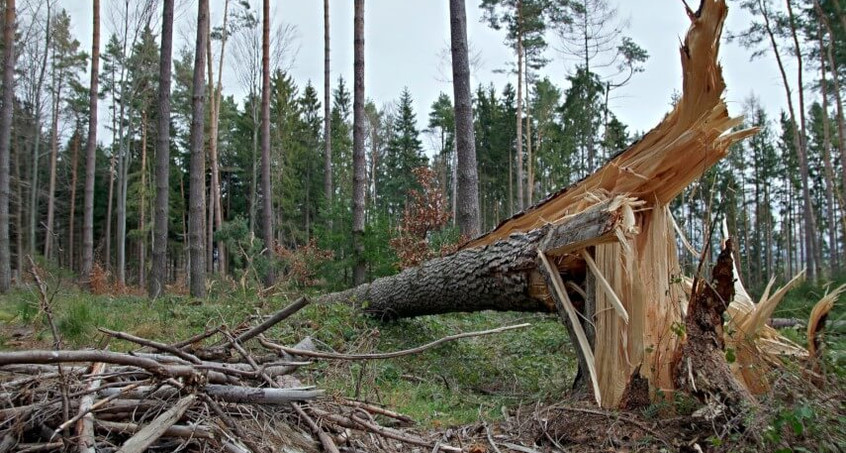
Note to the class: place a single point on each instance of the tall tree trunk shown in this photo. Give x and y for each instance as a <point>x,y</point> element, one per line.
<point>213,140</point>
<point>466,199</point>
<point>530,172</point>
<point>359,165</point>
<point>835,79</point>
<point>799,141</point>
<point>813,242</point>
<point>36,150</point>
<point>72,215</point>
<point>197,169</point>
<point>142,215</point>
<point>830,185</point>
<point>5,139</point>
<point>266,194</point>
<point>50,235</point>
<point>327,115</point>
<point>112,162</point>
<point>519,146</point>
<point>158,275</point>
<point>91,155</point>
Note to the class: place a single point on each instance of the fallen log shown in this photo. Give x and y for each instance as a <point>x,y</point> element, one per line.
<point>502,276</point>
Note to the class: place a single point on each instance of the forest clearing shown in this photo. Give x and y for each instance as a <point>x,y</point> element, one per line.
<point>274,274</point>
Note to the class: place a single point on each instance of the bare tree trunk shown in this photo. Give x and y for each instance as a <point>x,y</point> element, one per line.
<point>218,204</point>
<point>5,138</point>
<point>91,155</point>
<point>519,146</point>
<point>466,198</point>
<point>266,194</point>
<point>327,114</point>
<point>72,215</point>
<point>158,275</point>
<point>835,79</point>
<point>801,153</point>
<point>142,215</point>
<point>530,171</point>
<point>359,165</point>
<point>50,235</point>
<point>36,150</point>
<point>813,242</point>
<point>830,185</point>
<point>198,159</point>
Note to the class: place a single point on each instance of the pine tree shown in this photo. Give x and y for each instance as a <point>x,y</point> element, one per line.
<point>5,138</point>
<point>466,194</point>
<point>197,170</point>
<point>158,271</point>
<point>359,164</point>
<point>91,154</point>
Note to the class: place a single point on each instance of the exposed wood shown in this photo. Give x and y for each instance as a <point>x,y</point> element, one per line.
<point>817,320</point>
<point>85,426</point>
<point>568,313</point>
<point>603,283</point>
<point>139,442</point>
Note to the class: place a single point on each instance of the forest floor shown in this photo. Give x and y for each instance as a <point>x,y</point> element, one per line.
<point>504,392</point>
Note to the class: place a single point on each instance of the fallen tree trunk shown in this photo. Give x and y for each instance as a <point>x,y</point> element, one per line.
<point>501,276</point>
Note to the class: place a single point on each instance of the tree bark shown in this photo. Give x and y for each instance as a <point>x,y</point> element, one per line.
<point>359,164</point>
<point>9,27</point>
<point>519,146</point>
<point>801,152</point>
<point>213,141</point>
<point>72,214</point>
<point>701,368</point>
<point>327,114</point>
<point>50,235</point>
<point>813,242</point>
<point>142,207</point>
<point>161,216</point>
<point>34,188</point>
<point>835,79</point>
<point>466,198</point>
<point>266,194</point>
<point>91,155</point>
<point>197,169</point>
<point>501,276</point>
<point>830,180</point>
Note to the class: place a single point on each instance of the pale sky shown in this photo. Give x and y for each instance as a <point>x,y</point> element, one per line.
<point>404,40</point>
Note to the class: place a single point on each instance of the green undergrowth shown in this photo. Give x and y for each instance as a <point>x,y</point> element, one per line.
<point>451,384</point>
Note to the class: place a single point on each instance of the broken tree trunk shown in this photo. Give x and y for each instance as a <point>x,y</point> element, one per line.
<point>617,266</point>
<point>701,368</point>
<point>501,276</point>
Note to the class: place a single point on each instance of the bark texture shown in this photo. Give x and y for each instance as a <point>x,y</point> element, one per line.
<point>91,155</point>
<point>158,271</point>
<point>359,164</point>
<point>467,196</point>
<point>266,204</point>
<point>197,169</point>
<point>501,276</point>
<point>5,138</point>
<point>701,368</point>
<point>327,110</point>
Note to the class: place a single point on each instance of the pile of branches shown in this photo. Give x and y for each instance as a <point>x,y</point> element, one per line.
<point>211,392</point>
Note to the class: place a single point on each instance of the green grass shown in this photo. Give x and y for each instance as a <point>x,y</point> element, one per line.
<point>452,384</point>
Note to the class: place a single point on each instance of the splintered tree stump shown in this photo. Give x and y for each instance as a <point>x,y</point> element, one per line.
<point>701,368</point>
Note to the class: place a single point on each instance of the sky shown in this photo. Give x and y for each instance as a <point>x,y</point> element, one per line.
<point>405,41</point>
